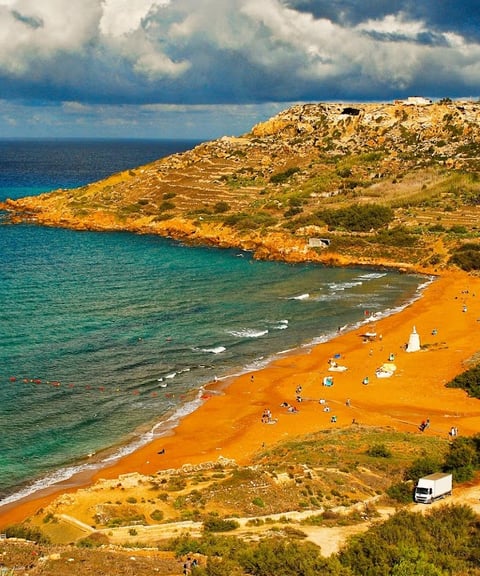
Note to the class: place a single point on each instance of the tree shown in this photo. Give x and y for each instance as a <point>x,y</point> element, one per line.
<point>462,459</point>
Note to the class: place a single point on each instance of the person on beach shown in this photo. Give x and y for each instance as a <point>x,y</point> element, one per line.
<point>424,425</point>
<point>267,416</point>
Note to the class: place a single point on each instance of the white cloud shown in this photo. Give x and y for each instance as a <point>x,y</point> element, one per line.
<point>202,51</point>
<point>394,25</point>
<point>124,16</point>
<point>32,31</point>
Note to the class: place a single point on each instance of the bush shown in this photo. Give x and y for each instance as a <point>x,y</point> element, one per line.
<point>94,540</point>
<point>166,205</point>
<point>219,525</point>
<point>379,451</point>
<point>221,207</point>
<point>281,558</point>
<point>462,459</point>
<point>358,217</point>
<point>468,381</point>
<point>244,221</point>
<point>401,492</point>
<point>422,467</point>
<point>467,258</point>
<point>458,229</point>
<point>281,177</point>
<point>26,532</point>
<point>157,515</point>
<point>398,236</point>
<point>408,543</point>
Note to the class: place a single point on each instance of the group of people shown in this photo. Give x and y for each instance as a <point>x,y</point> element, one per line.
<point>289,407</point>
<point>189,564</point>
<point>424,425</point>
<point>266,416</point>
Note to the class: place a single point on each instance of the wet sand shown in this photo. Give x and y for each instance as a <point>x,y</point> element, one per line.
<point>229,423</point>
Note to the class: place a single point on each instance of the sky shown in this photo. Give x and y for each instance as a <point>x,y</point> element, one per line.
<point>201,69</point>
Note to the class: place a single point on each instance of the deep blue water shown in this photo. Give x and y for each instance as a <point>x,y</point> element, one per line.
<point>30,167</point>
<point>104,335</point>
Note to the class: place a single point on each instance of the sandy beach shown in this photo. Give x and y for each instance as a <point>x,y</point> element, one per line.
<point>229,423</point>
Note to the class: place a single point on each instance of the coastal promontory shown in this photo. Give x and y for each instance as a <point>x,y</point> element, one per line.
<point>392,184</point>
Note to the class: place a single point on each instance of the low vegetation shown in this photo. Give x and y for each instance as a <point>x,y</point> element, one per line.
<point>468,381</point>
<point>358,217</point>
<point>442,542</point>
<point>340,476</point>
<point>467,257</point>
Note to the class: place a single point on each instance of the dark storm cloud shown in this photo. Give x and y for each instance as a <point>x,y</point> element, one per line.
<point>211,52</point>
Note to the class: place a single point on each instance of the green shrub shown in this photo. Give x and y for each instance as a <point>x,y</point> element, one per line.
<point>244,221</point>
<point>157,515</point>
<point>166,205</point>
<point>467,257</point>
<point>379,451</point>
<point>281,177</point>
<point>422,467</point>
<point>94,540</point>
<point>278,557</point>
<point>344,172</point>
<point>176,483</point>
<point>468,381</point>
<point>293,211</point>
<point>414,544</point>
<point>26,532</point>
<point>213,524</point>
<point>436,228</point>
<point>398,236</point>
<point>358,217</point>
<point>401,492</point>
<point>463,458</point>
<point>458,229</point>
<point>221,207</point>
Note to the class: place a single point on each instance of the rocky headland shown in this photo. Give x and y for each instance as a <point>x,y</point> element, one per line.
<point>331,183</point>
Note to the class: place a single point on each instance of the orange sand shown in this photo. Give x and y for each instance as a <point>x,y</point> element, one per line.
<point>229,423</point>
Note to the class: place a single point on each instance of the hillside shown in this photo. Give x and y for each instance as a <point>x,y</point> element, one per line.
<point>315,493</point>
<point>323,182</point>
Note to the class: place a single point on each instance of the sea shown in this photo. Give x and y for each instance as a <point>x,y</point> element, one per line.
<point>108,338</point>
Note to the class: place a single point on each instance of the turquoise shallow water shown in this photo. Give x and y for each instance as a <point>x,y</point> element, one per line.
<point>105,335</point>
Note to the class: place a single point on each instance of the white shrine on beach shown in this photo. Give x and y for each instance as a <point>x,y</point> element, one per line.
<point>413,342</point>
